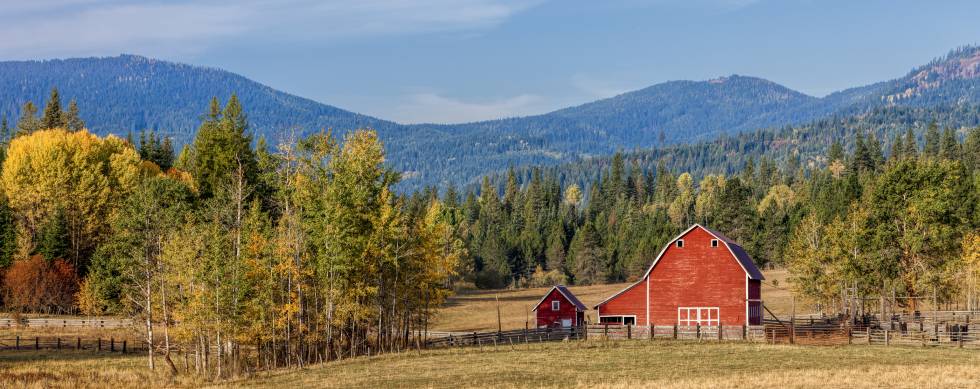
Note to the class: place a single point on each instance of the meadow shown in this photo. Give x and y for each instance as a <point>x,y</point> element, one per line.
<point>593,364</point>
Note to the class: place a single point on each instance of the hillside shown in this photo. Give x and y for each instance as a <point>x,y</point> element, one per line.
<point>129,93</point>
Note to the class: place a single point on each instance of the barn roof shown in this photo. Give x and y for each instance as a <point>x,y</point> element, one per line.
<point>743,258</point>
<point>568,296</point>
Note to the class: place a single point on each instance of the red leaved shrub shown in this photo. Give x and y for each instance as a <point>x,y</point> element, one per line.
<point>36,285</point>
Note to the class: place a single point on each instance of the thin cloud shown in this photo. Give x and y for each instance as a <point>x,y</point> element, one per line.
<point>104,27</point>
<point>434,108</point>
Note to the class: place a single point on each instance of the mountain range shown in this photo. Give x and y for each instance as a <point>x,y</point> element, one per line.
<point>130,93</point>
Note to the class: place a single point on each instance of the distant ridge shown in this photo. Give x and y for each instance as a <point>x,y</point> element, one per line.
<point>129,92</point>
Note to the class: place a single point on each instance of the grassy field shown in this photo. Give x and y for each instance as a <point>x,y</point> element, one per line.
<point>646,364</point>
<point>593,364</point>
<point>82,369</point>
<point>476,310</point>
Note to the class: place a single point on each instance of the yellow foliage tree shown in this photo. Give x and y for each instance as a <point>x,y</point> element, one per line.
<point>78,173</point>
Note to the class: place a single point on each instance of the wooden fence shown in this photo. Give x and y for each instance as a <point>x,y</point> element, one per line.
<point>76,343</point>
<point>695,332</point>
<point>506,337</point>
<point>109,323</point>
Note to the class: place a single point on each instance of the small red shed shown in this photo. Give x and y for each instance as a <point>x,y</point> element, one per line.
<point>560,308</point>
<point>700,278</point>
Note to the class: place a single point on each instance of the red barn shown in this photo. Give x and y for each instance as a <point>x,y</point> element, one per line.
<point>560,308</point>
<point>700,277</point>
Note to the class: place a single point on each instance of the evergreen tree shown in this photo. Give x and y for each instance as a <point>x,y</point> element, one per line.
<point>931,147</point>
<point>588,257</point>
<point>4,131</point>
<point>53,238</point>
<point>836,152</point>
<point>28,122</point>
<point>949,147</point>
<point>221,145</point>
<point>911,148</point>
<point>73,119</point>
<point>53,116</point>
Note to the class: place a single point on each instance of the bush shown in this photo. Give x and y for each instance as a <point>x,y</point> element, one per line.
<point>36,285</point>
<point>542,278</point>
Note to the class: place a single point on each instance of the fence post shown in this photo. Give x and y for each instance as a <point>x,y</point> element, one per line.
<point>868,330</point>
<point>99,347</point>
<point>849,335</point>
<point>745,332</point>
<point>675,331</point>
<point>78,343</point>
<point>605,331</point>
<point>58,344</point>
<point>887,339</point>
<point>697,332</point>
<point>629,331</point>
<point>721,330</point>
<point>112,344</point>
<point>17,343</point>
<point>124,346</point>
<point>37,343</point>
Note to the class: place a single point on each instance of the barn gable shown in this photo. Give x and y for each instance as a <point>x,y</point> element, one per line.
<point>561,289</point>
<point>738,253</point>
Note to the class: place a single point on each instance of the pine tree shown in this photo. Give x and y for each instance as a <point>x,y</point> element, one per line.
<point>28,122</point>
<point>949,147</point>
<point>4,131</point>
<point>53,238</point>
<point>931,148</point>
<point>53,116</point>
<point>911,148</point>
<point>588,257</point>
<point>836,152</point>
<point>73,120</point>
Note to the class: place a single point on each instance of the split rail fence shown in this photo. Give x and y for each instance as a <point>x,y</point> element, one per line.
<point>76,343</point>
<point>534,335</point>
<point>7,322</point>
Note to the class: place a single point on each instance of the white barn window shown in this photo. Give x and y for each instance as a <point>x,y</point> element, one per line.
<point>680,243</point>
<point>691,316</point>
<point>555,305</point>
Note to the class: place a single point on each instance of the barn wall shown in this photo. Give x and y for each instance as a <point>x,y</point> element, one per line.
<point>697,275</point>
<point>548,318</point>
<point>628,303</point>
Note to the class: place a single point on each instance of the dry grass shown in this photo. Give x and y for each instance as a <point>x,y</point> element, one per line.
<point>595,364</point>
<point>81,369</point>
<point>476,310</point>
<point>644,364</point>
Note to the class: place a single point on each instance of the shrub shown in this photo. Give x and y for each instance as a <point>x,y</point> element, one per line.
<point>36,285</point>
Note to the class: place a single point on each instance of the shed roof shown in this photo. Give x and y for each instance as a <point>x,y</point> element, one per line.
<point>568,296</point>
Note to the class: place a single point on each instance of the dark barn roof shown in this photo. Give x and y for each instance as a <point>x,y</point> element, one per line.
<point>564,292</point>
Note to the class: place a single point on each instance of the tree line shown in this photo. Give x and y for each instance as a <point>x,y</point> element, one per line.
<point>882,217</point>
<point>241,257</point>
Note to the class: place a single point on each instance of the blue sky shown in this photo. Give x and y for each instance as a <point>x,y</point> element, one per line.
<point>463,60</point>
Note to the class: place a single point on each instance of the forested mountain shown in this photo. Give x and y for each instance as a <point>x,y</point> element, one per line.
<point>130,93</point>
<point>790,147</point>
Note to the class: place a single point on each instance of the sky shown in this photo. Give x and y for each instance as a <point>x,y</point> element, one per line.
<point>449,61</point>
